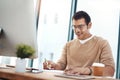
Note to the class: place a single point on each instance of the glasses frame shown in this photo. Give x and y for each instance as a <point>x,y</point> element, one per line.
<point>80,27</point>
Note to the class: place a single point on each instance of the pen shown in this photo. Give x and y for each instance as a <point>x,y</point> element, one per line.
<point>48,65</point>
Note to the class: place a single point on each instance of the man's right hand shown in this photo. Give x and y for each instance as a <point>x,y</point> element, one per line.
<point>49,65</point>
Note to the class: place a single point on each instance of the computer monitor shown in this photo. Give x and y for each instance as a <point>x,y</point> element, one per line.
<point>18,24</point>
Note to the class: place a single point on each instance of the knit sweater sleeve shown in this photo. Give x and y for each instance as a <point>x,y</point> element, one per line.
<point>62,61</point>
<point>106,56</point>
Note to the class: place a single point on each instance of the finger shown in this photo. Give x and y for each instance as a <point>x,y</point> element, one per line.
<point>70,72</point>
<point>78,73</point>
<point>51,65</point>
<point>68,69</point>
<point>67,72</point>
<point>74,72</point>
<point>46,66</point>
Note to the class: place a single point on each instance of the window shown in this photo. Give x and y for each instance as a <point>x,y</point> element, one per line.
<point>52,29</point>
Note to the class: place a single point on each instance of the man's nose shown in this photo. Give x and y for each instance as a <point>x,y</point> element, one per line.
<point>77,29</point>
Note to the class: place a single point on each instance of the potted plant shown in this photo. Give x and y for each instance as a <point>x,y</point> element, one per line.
<point>23,51</point>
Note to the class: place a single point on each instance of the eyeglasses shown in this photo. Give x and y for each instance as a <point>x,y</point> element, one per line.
<point>78,26</point>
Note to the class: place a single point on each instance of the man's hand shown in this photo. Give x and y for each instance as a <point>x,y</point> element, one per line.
<point>78,71</point>
<point>49,65</point>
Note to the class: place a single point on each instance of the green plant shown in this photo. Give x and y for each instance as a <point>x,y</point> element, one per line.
<point>24,51</point>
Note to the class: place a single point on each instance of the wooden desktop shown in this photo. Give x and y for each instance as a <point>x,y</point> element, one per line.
<point>11,74</point>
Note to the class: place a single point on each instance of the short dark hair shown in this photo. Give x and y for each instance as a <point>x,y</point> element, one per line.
<point>82,14</point>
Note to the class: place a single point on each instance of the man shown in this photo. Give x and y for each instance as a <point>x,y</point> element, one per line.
<point>79,54</point>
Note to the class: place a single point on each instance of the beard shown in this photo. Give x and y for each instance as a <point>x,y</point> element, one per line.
<point>80,36</point>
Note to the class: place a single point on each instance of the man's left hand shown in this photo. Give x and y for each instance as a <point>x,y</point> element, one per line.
<point>78,71</point>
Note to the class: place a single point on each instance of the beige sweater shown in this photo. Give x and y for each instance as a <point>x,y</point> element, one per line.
<point>83,55</point>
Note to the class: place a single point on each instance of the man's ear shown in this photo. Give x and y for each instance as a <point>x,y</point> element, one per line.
<point>89,25</point>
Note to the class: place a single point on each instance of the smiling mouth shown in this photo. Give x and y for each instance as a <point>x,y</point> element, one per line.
<point>79,34</point>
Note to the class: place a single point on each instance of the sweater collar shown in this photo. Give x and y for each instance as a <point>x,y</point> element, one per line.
<point>84,41</point>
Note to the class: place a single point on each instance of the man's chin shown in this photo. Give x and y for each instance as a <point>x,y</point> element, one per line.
<point>79,37</point>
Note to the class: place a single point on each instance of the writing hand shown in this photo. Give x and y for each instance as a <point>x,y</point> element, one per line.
<point>48,65</point>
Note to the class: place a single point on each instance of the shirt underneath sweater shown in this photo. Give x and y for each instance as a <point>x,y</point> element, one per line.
<point>76,54</point>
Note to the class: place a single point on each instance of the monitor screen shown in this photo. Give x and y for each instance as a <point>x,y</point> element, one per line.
<point>18,24</point>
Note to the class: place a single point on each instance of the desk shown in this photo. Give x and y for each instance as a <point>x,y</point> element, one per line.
<point>12,75</point>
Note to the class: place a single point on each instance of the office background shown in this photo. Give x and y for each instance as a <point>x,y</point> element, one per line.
<point>54,27</point>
